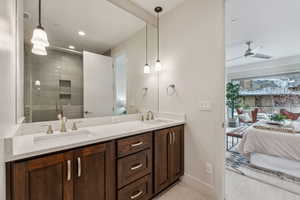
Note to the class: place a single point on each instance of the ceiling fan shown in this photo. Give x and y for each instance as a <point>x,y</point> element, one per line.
<point>251,53</point>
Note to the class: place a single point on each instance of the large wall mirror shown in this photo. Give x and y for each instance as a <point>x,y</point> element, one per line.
<point>94,62</point>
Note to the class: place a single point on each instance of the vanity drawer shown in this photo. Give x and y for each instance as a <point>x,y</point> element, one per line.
<point>134,144</point>
<point>139,190</point>
<point>134,167</point>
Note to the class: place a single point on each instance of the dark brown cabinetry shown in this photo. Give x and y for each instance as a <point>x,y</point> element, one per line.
<point>168,157</point>
<point>94,176</point>
<point>134,144</point>
<point>85,173</point>
<point>135,167</point>
<point>139,190</point>
<point>132,168</point>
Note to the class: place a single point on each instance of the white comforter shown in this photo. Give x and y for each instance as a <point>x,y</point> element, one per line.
<point>274,143</point>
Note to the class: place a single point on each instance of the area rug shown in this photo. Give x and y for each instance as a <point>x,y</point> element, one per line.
<point>240,164</point>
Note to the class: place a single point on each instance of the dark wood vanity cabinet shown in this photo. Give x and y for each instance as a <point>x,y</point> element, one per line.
<point>168,157</point>
<point>94,172</point>
<point>134,180</point>
<point>132,168</point>
<point>81,174</point>
<point>44,178</point>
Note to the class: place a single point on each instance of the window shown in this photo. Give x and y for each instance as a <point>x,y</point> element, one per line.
<point>271,93</point>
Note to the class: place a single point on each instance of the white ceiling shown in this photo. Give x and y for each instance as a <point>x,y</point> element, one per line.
<point>105,25</point>
<point>272,24</point>
<point>149,5</point>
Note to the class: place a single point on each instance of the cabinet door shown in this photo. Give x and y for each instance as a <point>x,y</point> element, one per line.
<point>46,178</point>
<point>162,148</point>
<point>177,153</point>
<point>94,173</point>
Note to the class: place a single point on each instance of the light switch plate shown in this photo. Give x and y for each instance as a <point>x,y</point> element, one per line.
<point>205,105</point>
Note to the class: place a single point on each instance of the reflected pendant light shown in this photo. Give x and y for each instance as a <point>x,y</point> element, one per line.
<point>39,38</point>
<point>147,69</point>
<point>158,65</point>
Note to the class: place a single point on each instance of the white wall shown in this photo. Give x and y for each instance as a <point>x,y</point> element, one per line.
<point>193,57</point>
<point>134,51</point>
<point>192,47</point>
<point>7,80</point>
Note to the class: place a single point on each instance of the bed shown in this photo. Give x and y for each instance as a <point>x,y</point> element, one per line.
<point>275,150</point>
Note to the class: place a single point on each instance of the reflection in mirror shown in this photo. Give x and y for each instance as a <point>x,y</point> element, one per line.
<point>94,64</point>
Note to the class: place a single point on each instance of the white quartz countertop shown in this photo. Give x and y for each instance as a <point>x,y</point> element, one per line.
<point>26,146</point>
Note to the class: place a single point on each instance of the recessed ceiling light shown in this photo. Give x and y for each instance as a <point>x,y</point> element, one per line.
<point>71,47</point>
<point>81,33</point>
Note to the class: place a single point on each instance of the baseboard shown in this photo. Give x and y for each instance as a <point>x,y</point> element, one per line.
<point>205,188</point>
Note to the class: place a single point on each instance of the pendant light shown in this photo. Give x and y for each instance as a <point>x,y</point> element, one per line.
<point>158,65</point>
<point>147,69</point>
<point>39,38</point>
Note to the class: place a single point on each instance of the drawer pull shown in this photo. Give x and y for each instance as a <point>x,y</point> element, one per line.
<point>79,167</point>
<point>137,195</point>
<point>69,170</point>
<point>171,138</point>
<point>137,144</point>
<point>174,137</point>
<point>136,167</point>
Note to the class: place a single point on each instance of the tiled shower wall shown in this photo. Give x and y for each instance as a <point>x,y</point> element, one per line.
<point>43,102</point>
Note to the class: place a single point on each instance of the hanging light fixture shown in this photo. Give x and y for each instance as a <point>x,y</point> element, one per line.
<point>39,50</point>
<point>158,65</point>
<point>39,38</point>
<point>147,69</point>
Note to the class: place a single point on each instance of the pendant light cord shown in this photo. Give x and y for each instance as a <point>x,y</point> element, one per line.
<point>147,44</point>
<point>40,9</point>
<point>158,36</point>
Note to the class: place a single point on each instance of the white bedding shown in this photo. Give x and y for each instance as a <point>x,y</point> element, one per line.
<point>284,145</point>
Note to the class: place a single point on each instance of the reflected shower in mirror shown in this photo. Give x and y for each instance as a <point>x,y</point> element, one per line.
<point>93,66</point>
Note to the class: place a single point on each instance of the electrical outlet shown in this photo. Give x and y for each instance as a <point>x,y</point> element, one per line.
<point>205,105</point>
<point>209,168</point>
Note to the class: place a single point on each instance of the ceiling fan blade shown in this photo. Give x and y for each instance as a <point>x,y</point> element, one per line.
<point>262,56</point>
<point>233,59</point>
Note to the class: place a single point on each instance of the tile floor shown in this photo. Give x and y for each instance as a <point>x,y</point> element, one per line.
<point>181,191</point>
<point>240,187</point>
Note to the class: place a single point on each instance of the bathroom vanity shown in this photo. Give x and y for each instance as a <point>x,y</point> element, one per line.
<point>91,76</point>
<point>132,165</point>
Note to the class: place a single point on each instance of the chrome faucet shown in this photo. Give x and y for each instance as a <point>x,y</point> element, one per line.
<point>49,130</point>
<point>63,121</point>
<point>141,116</point>
<point>74,126</point>
<point>150,115</point>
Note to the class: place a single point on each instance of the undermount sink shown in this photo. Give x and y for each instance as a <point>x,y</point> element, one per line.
<point>59,137</point>
<point>158,121</point>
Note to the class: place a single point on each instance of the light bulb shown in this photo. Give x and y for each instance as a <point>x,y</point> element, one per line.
<point>147,69</point>
<point>37,83</point>
<point>39,37</point>
<point>158,66</point>
<point>39,50</point>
